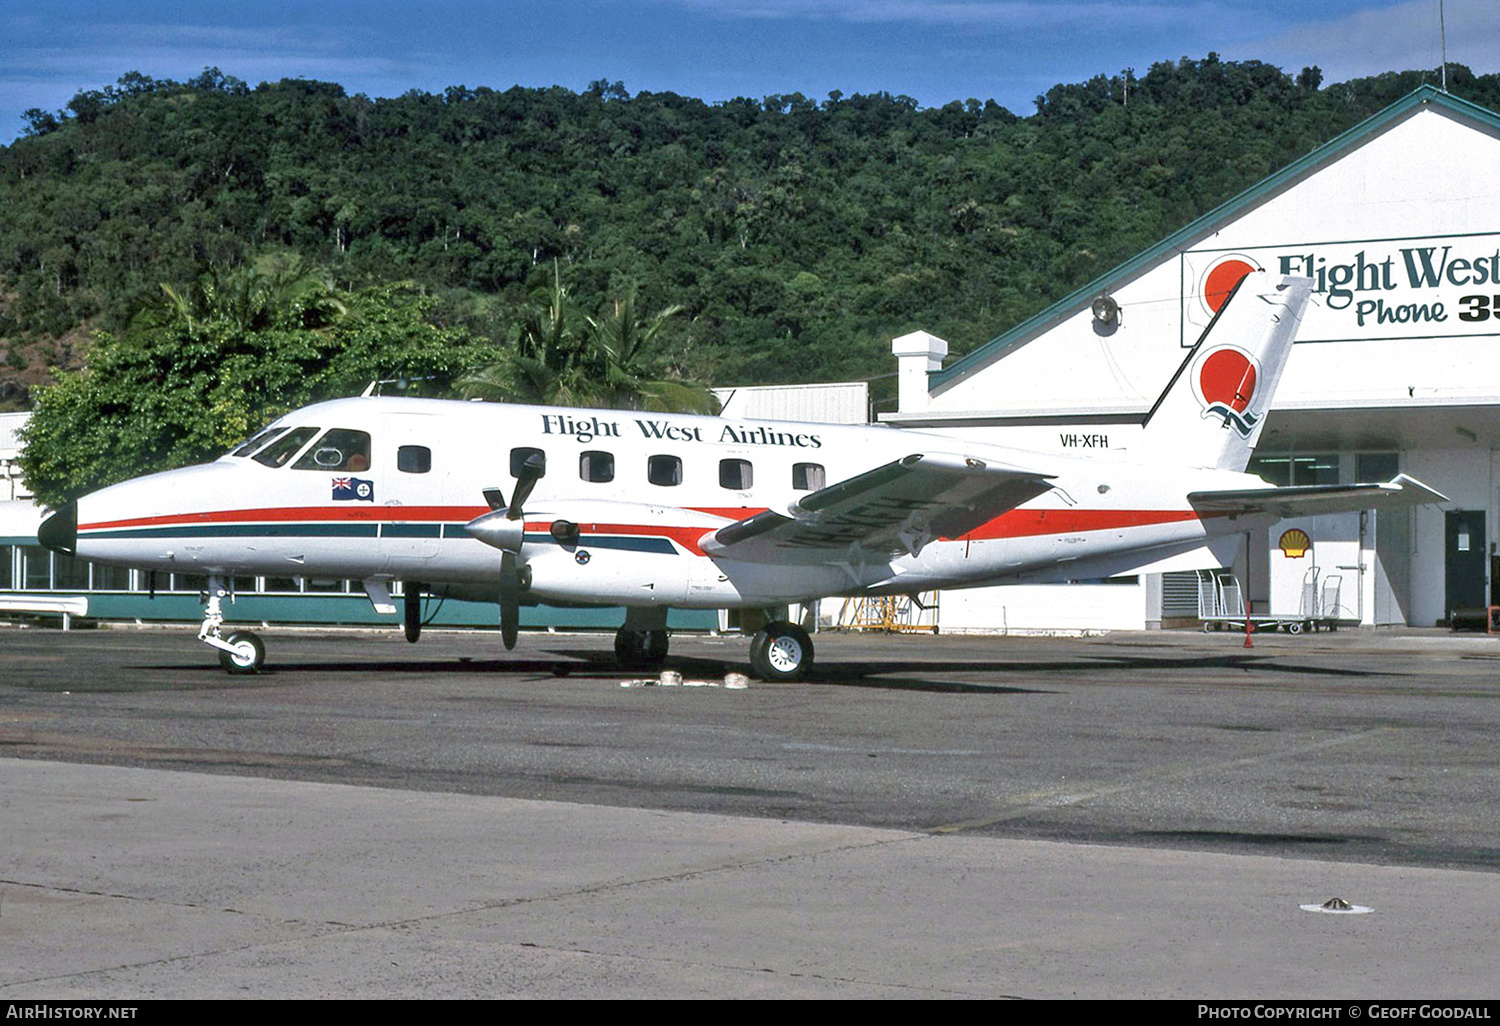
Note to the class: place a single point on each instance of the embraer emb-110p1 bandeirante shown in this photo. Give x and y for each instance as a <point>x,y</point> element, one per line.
<point>654,511</point>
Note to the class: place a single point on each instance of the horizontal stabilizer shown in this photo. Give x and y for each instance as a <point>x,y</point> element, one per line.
<point>896,508</point>
<point>1312,500</point>
<point>1158,559</point>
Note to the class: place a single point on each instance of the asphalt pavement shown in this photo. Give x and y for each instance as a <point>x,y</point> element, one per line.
<point>1135,815</point>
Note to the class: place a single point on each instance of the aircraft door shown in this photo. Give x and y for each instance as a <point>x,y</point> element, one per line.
<point>415,484</point>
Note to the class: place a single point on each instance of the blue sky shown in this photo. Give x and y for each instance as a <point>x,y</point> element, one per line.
<point>933,50</point>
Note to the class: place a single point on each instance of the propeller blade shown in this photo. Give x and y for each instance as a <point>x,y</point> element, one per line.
<point>531,472</point>
<point>412,620</point>
<point>510,600</point>
<point>494,498</point>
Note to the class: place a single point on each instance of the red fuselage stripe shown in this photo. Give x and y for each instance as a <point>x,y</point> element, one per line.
<point>1028,523</point>
<point>389,514</point>
<point>1017,523</point>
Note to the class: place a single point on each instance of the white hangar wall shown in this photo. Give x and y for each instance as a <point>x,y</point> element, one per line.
<point>1397,362</point>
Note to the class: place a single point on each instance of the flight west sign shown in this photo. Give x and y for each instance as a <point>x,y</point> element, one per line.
<point>1421,287</point>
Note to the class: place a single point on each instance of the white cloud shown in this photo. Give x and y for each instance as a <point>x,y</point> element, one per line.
<point>1399,37</point>
<point>107,50</point>
<point>1002,14</point>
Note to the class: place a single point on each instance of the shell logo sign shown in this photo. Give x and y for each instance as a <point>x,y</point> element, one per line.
<point>1294,543</point>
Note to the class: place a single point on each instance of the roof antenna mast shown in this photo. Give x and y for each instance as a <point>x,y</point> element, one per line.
<point>1443,42</point>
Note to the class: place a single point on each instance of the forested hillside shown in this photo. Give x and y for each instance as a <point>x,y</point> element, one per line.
<point>798,235</point>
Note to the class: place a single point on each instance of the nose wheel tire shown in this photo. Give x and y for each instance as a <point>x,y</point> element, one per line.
<point>781,652</point>
<point>248,656</point>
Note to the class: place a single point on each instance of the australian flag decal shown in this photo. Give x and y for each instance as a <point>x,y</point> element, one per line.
<point>353,488</point>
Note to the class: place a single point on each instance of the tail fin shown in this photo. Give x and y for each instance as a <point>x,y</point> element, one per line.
<point>1215,406</point>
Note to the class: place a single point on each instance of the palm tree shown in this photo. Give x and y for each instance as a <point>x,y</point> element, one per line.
<point>623,338</point>
<point>278,290</point>
<point>563,359</point>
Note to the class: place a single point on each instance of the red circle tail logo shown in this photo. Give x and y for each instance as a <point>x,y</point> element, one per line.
<point>1226,385</point>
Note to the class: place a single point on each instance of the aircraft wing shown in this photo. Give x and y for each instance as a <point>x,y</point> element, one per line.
<point>1311,500</point>
<point>897,508</point>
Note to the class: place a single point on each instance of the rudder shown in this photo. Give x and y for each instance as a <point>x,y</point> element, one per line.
<point>1212,411</point>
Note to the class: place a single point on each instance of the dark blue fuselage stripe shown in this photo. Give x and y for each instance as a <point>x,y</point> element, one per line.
<point>239,531</point>
<point>628,543</point>
<point>625,543</point>
<point>411,530</point>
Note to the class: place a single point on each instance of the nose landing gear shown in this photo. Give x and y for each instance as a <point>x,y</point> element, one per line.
<point>245,654</point>
<point>239,651</point>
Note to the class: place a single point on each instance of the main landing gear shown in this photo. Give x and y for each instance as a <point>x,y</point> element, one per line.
<point>640,650</point>
<point>642,643</point>
<point>239,651</point>
<point>781,651</point>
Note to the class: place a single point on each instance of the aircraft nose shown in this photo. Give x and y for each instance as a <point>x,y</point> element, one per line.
<point>59,532</point>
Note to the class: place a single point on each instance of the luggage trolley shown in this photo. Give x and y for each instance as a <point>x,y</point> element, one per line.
<point>1221,605</point>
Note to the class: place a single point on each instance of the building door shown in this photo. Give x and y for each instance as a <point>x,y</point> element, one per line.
<point>1465,560</point>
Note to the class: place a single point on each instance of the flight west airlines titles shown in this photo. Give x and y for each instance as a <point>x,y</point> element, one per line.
<point>523,505</point>
<point>586,429</point>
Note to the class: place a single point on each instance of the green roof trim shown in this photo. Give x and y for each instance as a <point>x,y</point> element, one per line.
<point>1330,151</point>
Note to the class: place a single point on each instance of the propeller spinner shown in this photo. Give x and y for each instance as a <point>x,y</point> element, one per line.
<point>504,527</point>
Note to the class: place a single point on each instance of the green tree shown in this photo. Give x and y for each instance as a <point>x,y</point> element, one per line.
<point>156,397</point>
<point>563,358</point>
<point>962,219</point>
<point>277,290</point>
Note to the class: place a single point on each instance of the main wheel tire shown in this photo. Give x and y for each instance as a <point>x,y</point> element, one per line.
<point>781,652</point>
<point>248,656</point>
<point>654,648</point>
<point>640,650</point>
<point>629,646</point>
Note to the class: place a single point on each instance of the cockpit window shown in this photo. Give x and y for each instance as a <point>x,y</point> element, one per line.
<point>339,449</point>
<point>259,440</point>
<point>284,448</point>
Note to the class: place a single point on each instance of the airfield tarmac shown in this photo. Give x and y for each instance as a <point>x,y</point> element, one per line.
<point>1136,815</point>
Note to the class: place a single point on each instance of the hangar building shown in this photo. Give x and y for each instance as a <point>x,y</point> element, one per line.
<point>1396,368</point>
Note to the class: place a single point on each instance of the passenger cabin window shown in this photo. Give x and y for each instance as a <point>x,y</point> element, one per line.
<point>736,474</point>
<point>519,456</point>
<point>338,449</point>
<point>809,477</point>
<point>596,466</point>
<point>664,470</point>
<point>413,459</point>
<point>284,448</point>
<point>259,440</point>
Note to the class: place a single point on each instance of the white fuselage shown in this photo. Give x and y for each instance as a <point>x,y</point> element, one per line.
<point>644,490</point>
